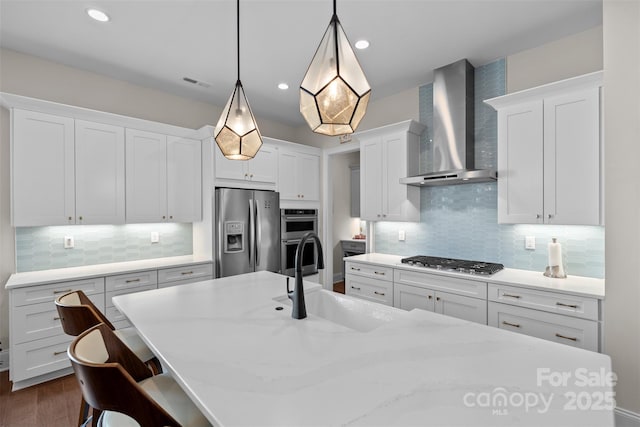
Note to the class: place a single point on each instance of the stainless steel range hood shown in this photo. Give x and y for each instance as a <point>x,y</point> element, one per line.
<point>453,127</point>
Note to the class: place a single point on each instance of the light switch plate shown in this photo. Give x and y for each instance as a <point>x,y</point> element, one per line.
<point>155,237</point>
<point>530,242</point>
<point>401,235</point>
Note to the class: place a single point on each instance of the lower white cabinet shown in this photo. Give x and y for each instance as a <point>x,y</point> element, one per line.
<point>553,327</point>
<point>183,275</point>
<point>375,290</point>
<point>409,297</point>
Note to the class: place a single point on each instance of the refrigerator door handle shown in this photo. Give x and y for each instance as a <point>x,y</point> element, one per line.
<point>251,230</point>
<point>258,233</point>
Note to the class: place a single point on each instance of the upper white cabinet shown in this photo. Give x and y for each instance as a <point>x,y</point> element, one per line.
<point>262,169</point>
<point>163,178</point>
<point>386,155</point>
<point>549,145</point>
<point>298,175</point>
<point>66,171</point>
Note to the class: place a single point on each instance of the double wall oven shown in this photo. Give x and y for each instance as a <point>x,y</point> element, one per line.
<point>295,223</point>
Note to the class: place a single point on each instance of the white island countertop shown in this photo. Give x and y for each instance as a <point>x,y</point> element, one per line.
<point>245,363</point>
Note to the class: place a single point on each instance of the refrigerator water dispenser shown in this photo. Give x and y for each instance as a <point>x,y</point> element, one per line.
<point>233,236</point>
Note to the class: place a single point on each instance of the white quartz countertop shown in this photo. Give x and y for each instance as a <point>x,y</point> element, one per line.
<point>244,363</point>
<point>574,285</point>
<point>31,278</point>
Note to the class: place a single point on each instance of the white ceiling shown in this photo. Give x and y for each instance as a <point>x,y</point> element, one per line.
<point>156,43</point>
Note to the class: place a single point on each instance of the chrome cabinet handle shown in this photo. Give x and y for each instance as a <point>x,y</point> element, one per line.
<point>379,273</point>
<point>353,287</point>
<point>511,296</point>
<point>184,273</point>
<point>566,338</point>
<point>378,293</point>
<point>57,353</point>
<point>132,280</point>
<point>515,325</point>
<point>62,292</point>
<point>566,305</point>
<point>355,269</point>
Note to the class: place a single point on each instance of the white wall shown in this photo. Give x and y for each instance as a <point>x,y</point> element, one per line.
<point>38,78</point>
<point>344,226</point>
<point>621,22</point>
<point>571,56</point>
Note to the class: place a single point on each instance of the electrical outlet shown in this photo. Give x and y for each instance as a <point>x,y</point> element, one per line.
<point>530,242</point>
<point>401,235</point>
<point>69,243</point>
<point>155,237</point>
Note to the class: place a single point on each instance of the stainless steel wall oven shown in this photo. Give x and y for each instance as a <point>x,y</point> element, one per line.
<point>295,223</point>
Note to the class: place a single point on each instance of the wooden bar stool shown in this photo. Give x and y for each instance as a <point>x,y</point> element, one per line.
<point>116,383</point>
<point>77,313</point>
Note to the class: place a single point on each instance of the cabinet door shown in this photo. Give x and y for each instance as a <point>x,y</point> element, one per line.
<point>472,309</point>
<point>308,176</point>
<point>287,186</point>
<point>355,192</point>
<point>184,179</point>
<point>229,169</point>
<point>100,196</point>
<point>572,158</point>
<point>264,166</point>
<point>146,180</point>
<point>43,184</point>
<point>394,167</point>
<point>520,164</point>
<point>410,297</point>
<point>371,179</point>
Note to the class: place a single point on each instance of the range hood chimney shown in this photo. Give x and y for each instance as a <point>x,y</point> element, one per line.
<point>453,128</point>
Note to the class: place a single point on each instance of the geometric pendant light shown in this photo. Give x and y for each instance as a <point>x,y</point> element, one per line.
<point>334,93</point>
<point>237,133</point>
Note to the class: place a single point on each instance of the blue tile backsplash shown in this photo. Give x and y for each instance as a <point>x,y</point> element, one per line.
<point>461,221</point>
<point>41,248</point>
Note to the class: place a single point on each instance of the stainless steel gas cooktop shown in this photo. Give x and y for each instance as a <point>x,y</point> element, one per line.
<point>451,264</point>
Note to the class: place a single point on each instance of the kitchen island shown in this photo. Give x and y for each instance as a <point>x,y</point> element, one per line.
<point>244,362</point>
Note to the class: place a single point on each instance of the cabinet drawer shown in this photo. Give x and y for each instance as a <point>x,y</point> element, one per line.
<point>470,288</point>
<point>355,247</point>
<point>368,270</point>
<point>370,289</point>
<point>572,331</point>
<point>39,357</point>
<point>48,293</point>
<point>570,305</point>
<point>36,321</point>
<point>200,271</point>
<point>186,281</point>
<point>131,280</point>
<point>109,295</point>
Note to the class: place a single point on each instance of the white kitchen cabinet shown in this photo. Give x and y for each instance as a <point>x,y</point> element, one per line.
<point>386,155</point>
<point>43,175</point>
<point>163,178</point>
<point>409,297</point>
<point>66,171</point>
<point>549,145</point>
<point>184,179</point>
<point>100,173</point>
<point>175,276</point>
<point>370,282</point>
<point>123,284</point>
<point>298,176</point>
<point>262,169</point>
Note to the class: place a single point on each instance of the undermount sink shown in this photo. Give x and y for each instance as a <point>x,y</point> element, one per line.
<point>353,313</point>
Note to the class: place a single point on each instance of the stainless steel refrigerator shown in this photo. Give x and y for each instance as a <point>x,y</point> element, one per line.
<point>247,231</point>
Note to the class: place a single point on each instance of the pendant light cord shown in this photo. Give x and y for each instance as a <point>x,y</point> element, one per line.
<point>238,35</point>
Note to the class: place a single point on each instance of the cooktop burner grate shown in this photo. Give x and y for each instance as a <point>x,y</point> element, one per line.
<point>452,264</point>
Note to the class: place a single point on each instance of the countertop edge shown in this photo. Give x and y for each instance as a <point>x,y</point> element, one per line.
<point>34,278</point>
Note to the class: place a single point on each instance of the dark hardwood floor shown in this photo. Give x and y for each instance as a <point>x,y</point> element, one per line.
<point>338,287</point>
<point>55,403</point>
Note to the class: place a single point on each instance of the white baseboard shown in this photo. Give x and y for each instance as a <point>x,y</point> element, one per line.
<point>338,277</point>
<point>625,418</point>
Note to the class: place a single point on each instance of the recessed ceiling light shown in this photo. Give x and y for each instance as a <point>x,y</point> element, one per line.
<point>98,15</point>
<point>283,86</point>
<point>362,44</point>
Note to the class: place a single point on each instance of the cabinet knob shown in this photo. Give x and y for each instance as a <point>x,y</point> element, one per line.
<point>384,215</point>
<point>430,297</point>
<point>164,217</point>
<point>245,175</point>
<point>251,176</point>
<point>170,216</point>
<point>302,196</point>
<point>70,218</point>
<point>80,218</point>
<point>437,298</point>
<point>378,215</point>
<point>550,216</point>
<point>537,216</point>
